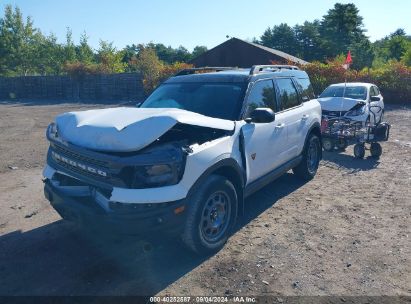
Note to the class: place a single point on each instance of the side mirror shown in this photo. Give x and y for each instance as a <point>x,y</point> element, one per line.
<point>305,98</point>
<point>261,115</point>
<point>375,98</point>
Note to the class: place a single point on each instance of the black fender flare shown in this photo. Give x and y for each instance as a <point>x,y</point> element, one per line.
<point>235,174</point>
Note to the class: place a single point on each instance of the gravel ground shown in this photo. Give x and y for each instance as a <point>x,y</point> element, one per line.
<point>346,233</point>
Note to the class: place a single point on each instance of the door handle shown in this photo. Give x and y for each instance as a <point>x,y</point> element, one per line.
<point>280,126</point>
<point>305,117</point>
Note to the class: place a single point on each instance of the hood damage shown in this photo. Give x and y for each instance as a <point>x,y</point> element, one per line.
<point>338,103</point>
<point>131,129</point>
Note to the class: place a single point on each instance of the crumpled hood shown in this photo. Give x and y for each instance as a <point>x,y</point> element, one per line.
<point>127,129</point>
<point>337,103</point>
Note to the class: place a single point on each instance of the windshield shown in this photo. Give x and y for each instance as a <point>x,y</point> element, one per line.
<point>358,92</point>
<point>219,100</point>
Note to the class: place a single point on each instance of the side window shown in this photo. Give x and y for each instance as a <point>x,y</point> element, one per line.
<point>306,88</point>
<point>288,93</point>
<point>262,95</point>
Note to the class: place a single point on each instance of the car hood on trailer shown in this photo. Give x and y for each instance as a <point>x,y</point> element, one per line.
<point>338,103</point>
<point>127,129</point>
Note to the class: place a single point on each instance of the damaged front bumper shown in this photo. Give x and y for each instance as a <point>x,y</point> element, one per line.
<point>89,207</point>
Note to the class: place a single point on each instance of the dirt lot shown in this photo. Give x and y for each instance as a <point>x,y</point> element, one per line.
<point>347,232</point>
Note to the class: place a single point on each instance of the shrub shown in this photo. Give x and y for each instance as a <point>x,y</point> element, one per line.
<point>169,70</point>
<point>77,69</point>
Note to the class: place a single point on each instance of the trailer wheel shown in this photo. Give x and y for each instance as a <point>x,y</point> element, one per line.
<point>359,150</point>
<point>376,150</point>
<point>342,144</point>
<point>328,144</point>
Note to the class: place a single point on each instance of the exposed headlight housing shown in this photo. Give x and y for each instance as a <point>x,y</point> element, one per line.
<point>158,175</point>
<point>52,131</point>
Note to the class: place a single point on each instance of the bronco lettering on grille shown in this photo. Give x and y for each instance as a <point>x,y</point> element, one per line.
<point>78,165</point>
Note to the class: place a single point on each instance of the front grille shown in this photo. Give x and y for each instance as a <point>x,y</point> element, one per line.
<point>78,163</point>
<point>80,171</point>
<point>75,156</point>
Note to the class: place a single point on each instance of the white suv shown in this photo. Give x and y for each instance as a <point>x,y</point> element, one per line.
<point>185,159</point>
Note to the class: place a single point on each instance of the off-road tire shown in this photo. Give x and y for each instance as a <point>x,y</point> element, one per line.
<point>193,236</point>
<point>308,166</point>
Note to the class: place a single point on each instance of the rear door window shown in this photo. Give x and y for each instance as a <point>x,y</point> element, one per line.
<point>306,88</point>
<point>288,93</point>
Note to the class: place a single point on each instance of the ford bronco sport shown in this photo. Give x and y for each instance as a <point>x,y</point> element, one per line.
<point>184,160</point>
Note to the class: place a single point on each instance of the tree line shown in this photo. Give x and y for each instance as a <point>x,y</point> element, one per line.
<point>25,50</point>
<point>340,30</point>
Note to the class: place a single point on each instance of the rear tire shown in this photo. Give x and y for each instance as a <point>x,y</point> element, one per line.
<point>359,150</point>
<point>307,169</point>
<point>376,150</point>
<point>211,216</point>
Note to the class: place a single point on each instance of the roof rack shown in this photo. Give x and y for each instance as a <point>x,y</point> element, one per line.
<point>256,69</point>
<point>211,69</point>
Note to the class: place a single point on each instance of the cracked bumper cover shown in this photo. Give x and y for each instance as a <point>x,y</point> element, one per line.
<point>82,205</point>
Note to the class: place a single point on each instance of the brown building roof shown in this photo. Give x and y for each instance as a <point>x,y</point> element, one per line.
<point>239,53</point>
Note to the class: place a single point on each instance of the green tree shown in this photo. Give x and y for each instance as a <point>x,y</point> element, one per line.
<point>397,46</point>
<point>84,51</point>
<point>362,54</point>
<point>391,47</point>
<point>50,55</point>
<point>69,49</point>
<point>182,54</point>
<point>309,40</point>
<point>406,57</point>
<point>280,37</point>
<point>149,65</point>
<point>164,53</point>
<point>110,59</point>
<point>129,53</point>
<point>198,50</point>
<point>341,27</point>
<point>17,43</point>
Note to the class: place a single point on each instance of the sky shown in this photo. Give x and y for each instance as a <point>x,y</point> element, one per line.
<point>194,22</point>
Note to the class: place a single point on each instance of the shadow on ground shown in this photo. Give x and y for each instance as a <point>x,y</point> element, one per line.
<point>57,259</point>
<point>349,162</point>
